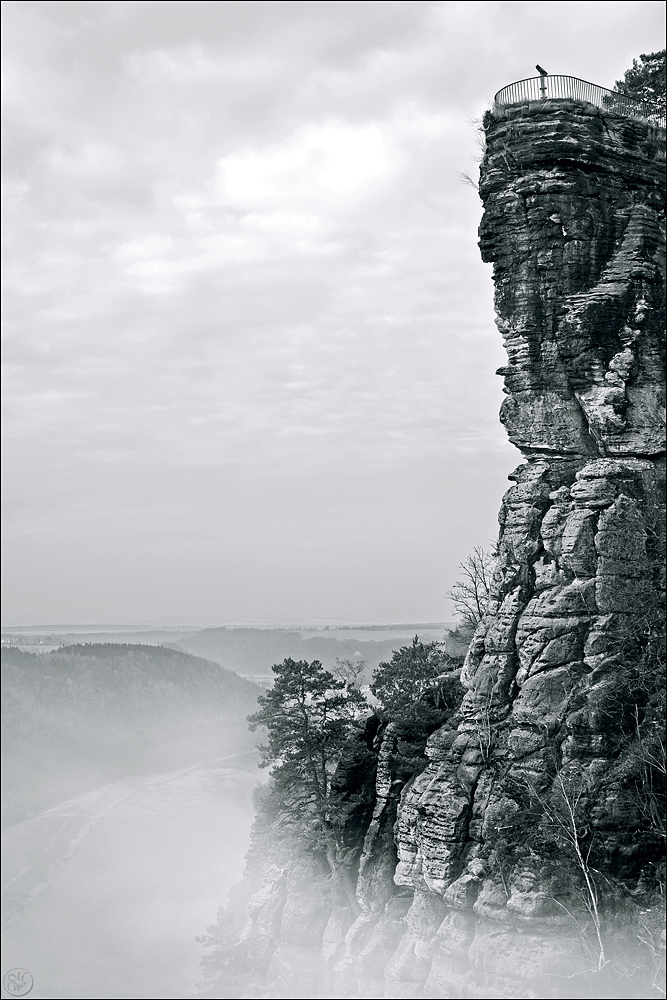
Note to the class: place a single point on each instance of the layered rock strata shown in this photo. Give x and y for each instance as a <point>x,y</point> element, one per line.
<point>556,674</point>
<point>538,782</point>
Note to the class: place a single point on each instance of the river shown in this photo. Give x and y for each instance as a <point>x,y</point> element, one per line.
<point>104,895</point>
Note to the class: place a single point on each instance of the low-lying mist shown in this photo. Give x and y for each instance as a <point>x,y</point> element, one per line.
<point>88,714</point>
<point>127,780</point>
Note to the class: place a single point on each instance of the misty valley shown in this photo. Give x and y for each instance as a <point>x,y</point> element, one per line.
<point>127,773</point>
<point>86,715</point>
<point>130,783</point>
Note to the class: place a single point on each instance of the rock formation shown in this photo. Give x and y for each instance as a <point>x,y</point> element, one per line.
<point>556,674</point>
<point>539,791</point>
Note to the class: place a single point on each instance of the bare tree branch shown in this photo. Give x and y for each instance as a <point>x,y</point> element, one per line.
<point>470,593</point>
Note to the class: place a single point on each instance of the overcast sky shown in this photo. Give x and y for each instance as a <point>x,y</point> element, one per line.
<point>250,347</point>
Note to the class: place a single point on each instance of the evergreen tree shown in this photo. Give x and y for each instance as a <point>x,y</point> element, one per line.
<point>405,688</point>
<point>645,81</point>
<point>308,714</point>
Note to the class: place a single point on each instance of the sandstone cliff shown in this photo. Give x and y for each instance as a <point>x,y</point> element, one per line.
<point>493,869</point>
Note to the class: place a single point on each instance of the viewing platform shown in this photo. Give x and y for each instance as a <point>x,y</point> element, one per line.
<point>570,88</point>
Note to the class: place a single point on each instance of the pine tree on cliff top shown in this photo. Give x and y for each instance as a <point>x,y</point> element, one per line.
<point>646,80</point>
<point>308,715</point>
<point>405,688</point>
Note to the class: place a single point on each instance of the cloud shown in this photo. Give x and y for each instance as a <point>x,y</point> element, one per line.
<point>332,158</point>
<point>246,315</point>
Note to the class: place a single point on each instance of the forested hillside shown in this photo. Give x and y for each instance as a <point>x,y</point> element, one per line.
<point>93,713</point>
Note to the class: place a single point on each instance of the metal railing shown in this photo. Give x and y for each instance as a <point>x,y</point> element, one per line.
<point>540,88</point>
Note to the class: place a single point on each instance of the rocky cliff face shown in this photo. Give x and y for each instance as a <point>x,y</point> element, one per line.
<point>556,676</point>
<point>542,789</point>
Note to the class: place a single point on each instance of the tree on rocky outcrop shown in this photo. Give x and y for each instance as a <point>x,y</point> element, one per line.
<point>646,80</point>
<point>308,714</point>
<point>412,691</point>
<point>470,593</point>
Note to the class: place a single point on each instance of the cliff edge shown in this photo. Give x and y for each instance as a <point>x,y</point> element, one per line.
<point>535,815</point>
